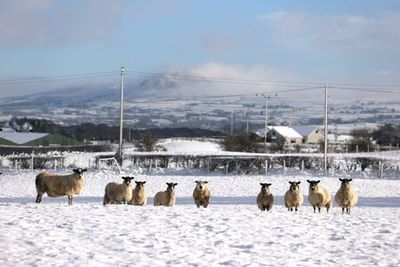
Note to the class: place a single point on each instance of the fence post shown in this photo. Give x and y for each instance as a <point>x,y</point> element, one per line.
<point>151,165</point>
<point>302,165</point>
<point>266,167</point>
<point>284,166</point>
<point>227,167</point>
<point>208,166</point>
<point>31,162</point>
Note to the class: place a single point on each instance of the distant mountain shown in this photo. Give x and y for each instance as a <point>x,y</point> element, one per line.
<point>154,86</point>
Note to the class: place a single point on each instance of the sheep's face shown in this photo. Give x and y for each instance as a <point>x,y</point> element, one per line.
<point>294,186</point>
<point>128,180</point>
<point>79,172</point>
<point>171,187</point>
<point>201,185</point>
<point>313,185</point>
<point>345,182</point>
<point>265,187</point>
<point>139,184</point>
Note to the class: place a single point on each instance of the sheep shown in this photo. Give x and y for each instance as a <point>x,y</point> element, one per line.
<point>318,196</point>
<point>118,193</point>
<point>59,185</point>
<point>201,194</point>
<point>139,195</point>
<point>294,197</point>
<point>346,197</point>
<point>166,198</point>
<point>265,199</point>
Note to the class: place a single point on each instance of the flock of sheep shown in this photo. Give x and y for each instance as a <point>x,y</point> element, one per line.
<point>60,185</point>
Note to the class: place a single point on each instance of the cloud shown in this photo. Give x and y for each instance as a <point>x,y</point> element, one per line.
<point>221,42</point>
<point>45,22</point>
<point>338,33</point>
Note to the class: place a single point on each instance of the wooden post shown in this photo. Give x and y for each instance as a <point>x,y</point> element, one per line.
<point>151,165</point>
<point>266,167</point>
<point>284,166</point>
<point>208,166</point>
<point>302,165</point>
<point>31,162</point>
<point>227,167</point>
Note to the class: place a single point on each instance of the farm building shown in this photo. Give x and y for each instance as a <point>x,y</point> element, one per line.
<point>312,134</point>
<point>283,134</point>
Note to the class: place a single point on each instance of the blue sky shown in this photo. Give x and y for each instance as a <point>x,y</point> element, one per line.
<point>340,41</point>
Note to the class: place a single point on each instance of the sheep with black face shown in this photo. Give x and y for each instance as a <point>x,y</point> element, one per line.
<point>56,185</point>
<point>139,195</point>
<point>293,197</point>
<point>265,199</point>
<point>346,197</point>
<point>166,198</point>
<point>201,194</point>
<point>319,197</point>
<point>118,193</point>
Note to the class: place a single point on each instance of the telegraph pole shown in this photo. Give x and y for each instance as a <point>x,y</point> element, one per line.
<point>247,121</point>
<point>121,115</point>
<point>232,123</point>
<point>266,97</point>
<point>326,131</point>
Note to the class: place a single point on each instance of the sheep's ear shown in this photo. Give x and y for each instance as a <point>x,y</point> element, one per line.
<point>317,181</point>
<point>299,182</point>
<point>340,179</point>
<point>268,185</point>
<point>143,182</point>
<point>290,182</point>
<point>196,182</point>
<point>175,184</point>
<point>349,180</point>
<point>261,184</point>
<point>84,170</point>
<point>309,181</point>
<point>206,182</point>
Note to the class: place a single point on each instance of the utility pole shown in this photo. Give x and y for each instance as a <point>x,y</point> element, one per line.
<point>266,97</point>
<point>326,131</point>
<point>247,121</point>
<point>232,123</point>
<point>121,115</point>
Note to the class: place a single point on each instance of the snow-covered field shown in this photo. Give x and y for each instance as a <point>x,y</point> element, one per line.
<point>231,232</point>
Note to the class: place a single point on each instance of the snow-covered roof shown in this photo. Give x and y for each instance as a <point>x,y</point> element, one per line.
<point>305,130</point>
<point>286,131</point>
<point>21,137</point>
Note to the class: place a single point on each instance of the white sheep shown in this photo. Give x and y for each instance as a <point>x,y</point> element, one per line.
<point>293,197</point>
<point>59,185</point>
<point>166,198</point>
<point>201,194</point>
<point>346,197</point>
<point>118,193</point>
<point>139,195</point>
<point>265,199</point>
<point>318,196</point>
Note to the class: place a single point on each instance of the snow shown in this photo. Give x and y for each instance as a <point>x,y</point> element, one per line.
<point>21,137</point>
<point>232,231</point>
<point>190,146</point>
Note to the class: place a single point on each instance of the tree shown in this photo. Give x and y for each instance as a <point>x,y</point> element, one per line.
<point>387,134</point>
<point>241,142</point>
<point>362,141</point>
<point>148,142</point>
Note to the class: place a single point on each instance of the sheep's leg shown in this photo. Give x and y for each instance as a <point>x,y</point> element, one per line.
<point>70,197</point>
<point>343,210</point>
<point>314,209</point>
<point>348,210</point>
<point>39,197</point>
<point>319,209</point>
<point>296,208</point>
<point>105,200</point>
<point>205,204</point>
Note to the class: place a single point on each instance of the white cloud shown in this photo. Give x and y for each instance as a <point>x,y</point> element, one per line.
<point>45,22</point>
<point>342,33</point>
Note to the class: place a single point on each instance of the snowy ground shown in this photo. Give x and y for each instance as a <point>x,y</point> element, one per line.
<point>231,232</point>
